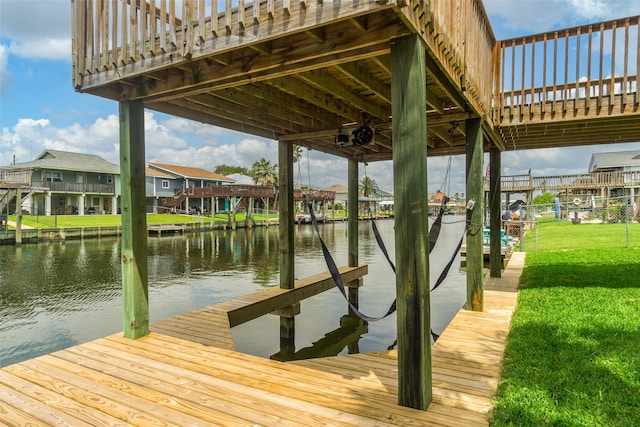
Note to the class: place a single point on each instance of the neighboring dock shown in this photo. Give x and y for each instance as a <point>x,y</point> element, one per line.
<point>163,380</point>
<point>166,229</point>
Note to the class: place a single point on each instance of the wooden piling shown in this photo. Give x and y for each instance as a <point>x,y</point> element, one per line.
<point>352,226</point>
<point>409,97</point>
<point>495,214</point>
<point>286,230</point>
<point>475,257</point>
<point>134,221</point>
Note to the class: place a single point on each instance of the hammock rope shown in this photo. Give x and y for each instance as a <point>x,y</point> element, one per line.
<point>337,278</point>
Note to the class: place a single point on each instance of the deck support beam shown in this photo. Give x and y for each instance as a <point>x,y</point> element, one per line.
<point>135,290</point>
<point>495,212</point>
<point>352,226</point>
<point>18,216</point>
<point>474,190</point>
<point>409,100</point>
<point>285,234</point>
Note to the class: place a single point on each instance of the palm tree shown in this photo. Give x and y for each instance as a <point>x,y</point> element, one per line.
<point>297,152</point>
<point>297,155</point>
<point>368,187</point>
<point>264,173</point>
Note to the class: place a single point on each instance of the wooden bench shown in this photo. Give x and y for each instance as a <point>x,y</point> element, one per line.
<point>212,325</point>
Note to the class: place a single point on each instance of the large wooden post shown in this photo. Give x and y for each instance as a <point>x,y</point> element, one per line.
<point>409,99</point>
<point>475,254</point>
<point>134,221</point>
<point>18,216</point>
<point>495,214</point>
<point>285,233</point>
<point>352,225</point>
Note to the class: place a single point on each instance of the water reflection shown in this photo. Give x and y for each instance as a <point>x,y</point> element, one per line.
<point>59,294</point>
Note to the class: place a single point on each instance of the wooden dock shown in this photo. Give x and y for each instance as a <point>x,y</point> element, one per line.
<point>164,380</point>
<point>165,228</point>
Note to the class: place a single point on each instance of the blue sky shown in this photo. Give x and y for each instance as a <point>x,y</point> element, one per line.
<point>39,108</point>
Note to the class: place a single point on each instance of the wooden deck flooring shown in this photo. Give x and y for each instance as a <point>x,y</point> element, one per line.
<point>164,380</point>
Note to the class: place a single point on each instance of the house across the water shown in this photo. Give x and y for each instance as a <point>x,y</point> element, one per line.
<point>171,188</point>
<point>66,183</point>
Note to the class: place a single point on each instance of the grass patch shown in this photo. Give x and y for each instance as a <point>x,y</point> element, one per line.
<point>68,221</point>
<point>572,356</point>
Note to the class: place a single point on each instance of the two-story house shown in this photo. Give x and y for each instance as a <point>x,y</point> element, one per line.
<point>622,172</point>
<point>66,183</point>
<point>174,190</point>
<point>160,186</point>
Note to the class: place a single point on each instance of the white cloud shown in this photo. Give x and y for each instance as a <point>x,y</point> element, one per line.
<point>48,48</point>
<point>38,29</point>
<point>544,15</point>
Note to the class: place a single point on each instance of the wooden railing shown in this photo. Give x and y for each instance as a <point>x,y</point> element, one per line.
<point>76,188</point>
<point>314,194</point>
<point>116,38</point>
<point>564,182</point>
<point>13,177</point>
<point>572,70</point>
<point>460,36</point>
<point>240,190</point>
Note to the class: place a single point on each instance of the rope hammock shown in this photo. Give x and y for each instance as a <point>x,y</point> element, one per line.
<point>337,278</point>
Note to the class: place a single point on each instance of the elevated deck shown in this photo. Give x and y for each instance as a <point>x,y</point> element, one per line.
<point>303,71</point>
<point>296,71</point>
<point>584,181</point>
<point>164,380</point>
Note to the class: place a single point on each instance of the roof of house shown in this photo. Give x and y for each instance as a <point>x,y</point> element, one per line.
<point>189,172</point>
<point>66,160</point>
<point>241,179</point>
<point>338,188</point>
<point>439,196</point>
<point>614,159</point>
<point>157,173</point>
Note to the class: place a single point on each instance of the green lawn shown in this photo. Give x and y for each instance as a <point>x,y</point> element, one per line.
<point>113,220</point>
<point>573,353</point>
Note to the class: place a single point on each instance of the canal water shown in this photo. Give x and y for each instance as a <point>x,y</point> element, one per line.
<point>59,294</point>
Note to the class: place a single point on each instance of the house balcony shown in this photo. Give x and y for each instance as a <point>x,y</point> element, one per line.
<point>84,188</point>
<point>296,71</point>
<point>15,178</point>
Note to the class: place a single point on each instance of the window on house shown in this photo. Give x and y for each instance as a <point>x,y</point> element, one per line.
<point>53,176</point>
<point>165,183</point>
<point>109,179</point>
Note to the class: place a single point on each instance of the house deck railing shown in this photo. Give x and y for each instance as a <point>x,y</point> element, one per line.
<point>586,181</point>
<point>15,178</point>
<point>67,187</point>
<point>240,190</point>
<point>113,39</point>
<point>573,71</point>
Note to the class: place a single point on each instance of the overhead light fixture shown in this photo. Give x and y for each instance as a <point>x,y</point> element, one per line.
<point>350,137</point>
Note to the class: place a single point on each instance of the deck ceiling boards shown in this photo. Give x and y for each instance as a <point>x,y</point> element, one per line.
<point>310,107</point>
<point>566,133</point>
<point>301,88</point>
